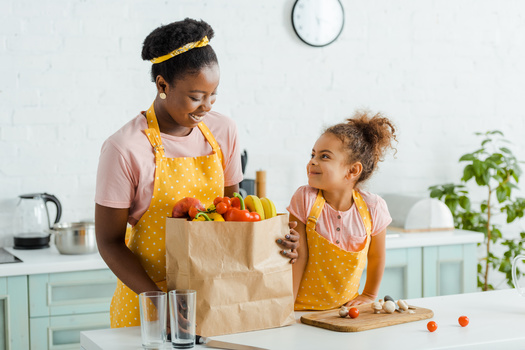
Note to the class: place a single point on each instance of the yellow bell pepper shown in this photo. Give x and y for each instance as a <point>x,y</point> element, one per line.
<point>202,216</point>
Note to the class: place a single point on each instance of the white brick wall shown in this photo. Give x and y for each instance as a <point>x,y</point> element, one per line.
<point>71,74</point>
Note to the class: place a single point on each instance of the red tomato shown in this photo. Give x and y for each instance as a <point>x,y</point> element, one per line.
<point>353,312</point>
<point>463,321</point>
<point>217,200</point>
<point>221,208</point>
<point>227,201</point>
<point>432,326</point>
<point>193,212</point>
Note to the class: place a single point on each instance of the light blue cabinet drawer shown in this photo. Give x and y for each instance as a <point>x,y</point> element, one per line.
<point>71,293</point>
<point>402,276</point>
<point>449,269</point>
<point>13,313</point>
<point>63,332</point>
<point>428,271</point>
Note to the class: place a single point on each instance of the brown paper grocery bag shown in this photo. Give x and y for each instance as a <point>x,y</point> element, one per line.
<point>243,283</point>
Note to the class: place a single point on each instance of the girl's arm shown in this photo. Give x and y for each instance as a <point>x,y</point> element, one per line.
<point>374,270</point>
<point>302,251</point>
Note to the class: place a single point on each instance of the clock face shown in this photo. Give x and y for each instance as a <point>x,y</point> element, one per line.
<point>318,22</point>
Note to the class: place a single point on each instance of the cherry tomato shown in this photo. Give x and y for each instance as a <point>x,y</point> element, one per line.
<point>353,312</point>
<point>193,212</point>
<point>463,321</point>
<point>217,201</point>
<point>432,326</point>
<point>221,208</point>
<point>227,201</point>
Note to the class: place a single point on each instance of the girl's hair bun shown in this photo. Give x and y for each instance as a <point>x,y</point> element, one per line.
<point>366,138</point>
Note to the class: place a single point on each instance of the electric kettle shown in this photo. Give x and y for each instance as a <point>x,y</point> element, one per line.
<point>32,222</point>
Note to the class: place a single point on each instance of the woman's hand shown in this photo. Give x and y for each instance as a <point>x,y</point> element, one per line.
<point>290,243</point>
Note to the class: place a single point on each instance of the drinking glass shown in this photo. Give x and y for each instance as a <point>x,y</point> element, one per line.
<point>153,319</point>
<point>182,318</point>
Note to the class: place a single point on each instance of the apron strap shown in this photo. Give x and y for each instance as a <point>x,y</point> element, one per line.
<point>211,140</point>
<point>362,208</point>
<point>153,135</point>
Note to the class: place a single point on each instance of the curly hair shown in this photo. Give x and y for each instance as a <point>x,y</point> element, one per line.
<point>170,37</point>
<point>365,139</point>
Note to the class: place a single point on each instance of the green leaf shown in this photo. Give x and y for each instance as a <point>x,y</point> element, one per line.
<point>505,150</point>
<point>464,202</point>
<point>436,193</point>
<point>501,194</point>
<point>467,157</point>
<point>468,172</point>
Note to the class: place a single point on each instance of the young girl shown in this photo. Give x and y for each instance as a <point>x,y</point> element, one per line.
<point>340,225</point>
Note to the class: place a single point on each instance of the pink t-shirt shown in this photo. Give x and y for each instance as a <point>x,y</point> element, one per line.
<point>343,228</point>
<point>126,166</point>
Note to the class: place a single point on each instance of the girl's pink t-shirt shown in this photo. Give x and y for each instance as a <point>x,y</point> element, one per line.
<point>342,228</point>
<point>126,168</point>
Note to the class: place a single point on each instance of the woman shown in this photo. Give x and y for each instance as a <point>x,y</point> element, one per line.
<point>178,148</point>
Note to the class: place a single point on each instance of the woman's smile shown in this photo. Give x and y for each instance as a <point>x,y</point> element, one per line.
<point>197,117</point>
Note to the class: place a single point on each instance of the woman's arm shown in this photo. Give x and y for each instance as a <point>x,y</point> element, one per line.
<point>302,258</point>
<point>374,270</point>
<point>110,228</point>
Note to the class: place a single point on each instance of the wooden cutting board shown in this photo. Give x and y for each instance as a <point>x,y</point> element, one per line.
<point>366,320</point>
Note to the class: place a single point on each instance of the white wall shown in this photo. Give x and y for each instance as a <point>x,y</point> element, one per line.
<point>71,74</point>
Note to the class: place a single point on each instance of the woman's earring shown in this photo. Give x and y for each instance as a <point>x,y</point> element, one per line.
<point>162,96</point>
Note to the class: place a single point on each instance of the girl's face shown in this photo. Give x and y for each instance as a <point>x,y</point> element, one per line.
<point>328,167</point>
<point>188,100</point>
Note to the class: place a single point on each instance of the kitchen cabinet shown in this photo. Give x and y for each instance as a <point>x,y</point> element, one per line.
<point>63,304</point>
<point>425,271</point>
<point>13,313</point>
<point>48,311</point>
<point>49,298</point>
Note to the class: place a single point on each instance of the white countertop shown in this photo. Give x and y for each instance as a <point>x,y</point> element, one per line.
<point>49,260</point>
<point>396,239</point>
<point>497,320</point>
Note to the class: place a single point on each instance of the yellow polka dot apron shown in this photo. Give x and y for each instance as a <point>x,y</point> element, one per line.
<point>331,277</point>
<point>175,178</point>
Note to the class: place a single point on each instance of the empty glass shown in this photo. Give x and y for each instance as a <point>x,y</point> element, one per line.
<point>153,317</point>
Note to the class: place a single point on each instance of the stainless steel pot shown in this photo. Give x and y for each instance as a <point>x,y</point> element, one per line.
<point>75,237</point>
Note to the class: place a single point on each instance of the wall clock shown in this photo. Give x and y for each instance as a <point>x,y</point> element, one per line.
<point>318,22</point>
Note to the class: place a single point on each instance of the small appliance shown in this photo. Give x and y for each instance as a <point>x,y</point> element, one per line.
<point>32,222</point>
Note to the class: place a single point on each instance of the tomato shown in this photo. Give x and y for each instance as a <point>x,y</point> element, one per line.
<point>432,326</point>
<point>463,321</point>
<point>227,201</point>
<point>353,312</point>
<point>221,208</point>
<point>217,200</point>
<point>193,212</point>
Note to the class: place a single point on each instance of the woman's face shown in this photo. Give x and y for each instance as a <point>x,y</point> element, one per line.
<point>188,100</point>
<point>328,167</point>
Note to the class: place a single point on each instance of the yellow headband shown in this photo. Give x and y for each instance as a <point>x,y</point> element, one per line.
<point>203,42</point>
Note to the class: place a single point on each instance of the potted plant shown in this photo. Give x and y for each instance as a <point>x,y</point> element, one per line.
<point>496,170</point>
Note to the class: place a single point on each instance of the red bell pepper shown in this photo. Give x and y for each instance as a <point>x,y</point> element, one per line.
<point>242,214</point>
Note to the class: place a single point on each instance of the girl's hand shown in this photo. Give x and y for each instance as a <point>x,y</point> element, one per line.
<point>290,243</point>
<point>361,299</point>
